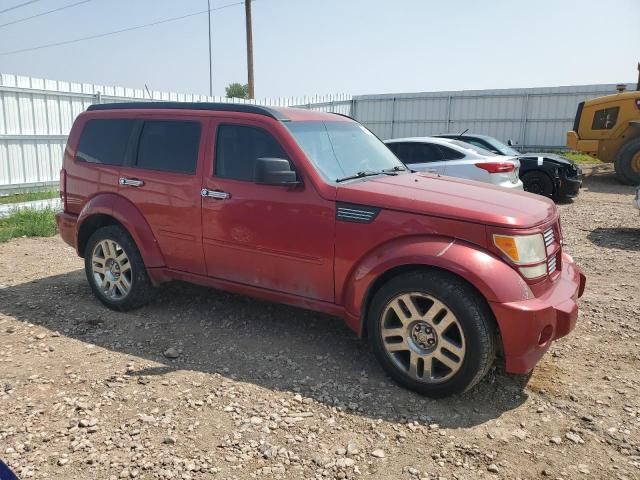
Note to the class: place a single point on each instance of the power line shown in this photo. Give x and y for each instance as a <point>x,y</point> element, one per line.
<point>20,20</point>
<point>106,34</point>
<point>19,5</point>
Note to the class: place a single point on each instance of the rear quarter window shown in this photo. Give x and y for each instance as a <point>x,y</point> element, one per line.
<point>105,141</point>
<point>412,153</point>
<point>450,153</point>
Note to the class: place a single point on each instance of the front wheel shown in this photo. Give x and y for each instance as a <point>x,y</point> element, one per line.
<point>538,182</point>
<point>432,332</point>
<point>115,269</point>
<point>627,162</point>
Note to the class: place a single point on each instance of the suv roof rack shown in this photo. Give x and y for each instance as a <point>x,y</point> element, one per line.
<point>219,107</point>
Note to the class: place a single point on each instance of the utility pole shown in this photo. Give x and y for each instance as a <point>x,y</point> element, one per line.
<point>247,9</point>
<point>210,60</point>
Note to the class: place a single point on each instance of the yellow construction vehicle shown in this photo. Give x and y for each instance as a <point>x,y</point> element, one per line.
<point>609,128</point>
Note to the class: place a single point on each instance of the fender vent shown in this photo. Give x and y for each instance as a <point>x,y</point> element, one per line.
<point>348,212</point>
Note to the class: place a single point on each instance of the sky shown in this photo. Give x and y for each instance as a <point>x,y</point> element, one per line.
<point>317,47</point>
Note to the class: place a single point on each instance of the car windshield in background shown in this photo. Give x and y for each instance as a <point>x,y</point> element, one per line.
<point>504,148</point>
<point>473,148</point>
<point>343,149</point>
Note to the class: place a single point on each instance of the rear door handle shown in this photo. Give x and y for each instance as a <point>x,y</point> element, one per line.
<point>131,182</point>
<point>217,194</point>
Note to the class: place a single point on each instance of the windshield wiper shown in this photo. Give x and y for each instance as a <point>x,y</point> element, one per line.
<point>367,174</point>
<point>397,168</point>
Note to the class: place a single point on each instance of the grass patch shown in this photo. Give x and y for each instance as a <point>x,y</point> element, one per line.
<point>28,223</point>
<point>28,196</point>
<point>579,157</point>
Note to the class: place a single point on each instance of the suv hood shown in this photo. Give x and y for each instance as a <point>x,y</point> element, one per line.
<point>449,197</point>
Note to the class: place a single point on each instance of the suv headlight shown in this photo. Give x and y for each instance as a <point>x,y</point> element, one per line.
<point>526,250</point>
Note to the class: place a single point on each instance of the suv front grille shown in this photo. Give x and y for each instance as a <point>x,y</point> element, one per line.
<point>553,242</point>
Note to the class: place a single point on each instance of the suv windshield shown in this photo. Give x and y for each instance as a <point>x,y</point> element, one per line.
<point>343,149</point>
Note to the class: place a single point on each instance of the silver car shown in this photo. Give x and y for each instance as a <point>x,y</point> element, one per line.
<point>455,158</point>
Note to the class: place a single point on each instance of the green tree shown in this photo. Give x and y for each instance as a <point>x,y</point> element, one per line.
<point>237,90</point>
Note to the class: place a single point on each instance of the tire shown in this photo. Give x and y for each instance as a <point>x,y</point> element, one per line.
<point>627,163</point>
<point>471,339</point>
<point>123,284</point>
<point>538,182</point>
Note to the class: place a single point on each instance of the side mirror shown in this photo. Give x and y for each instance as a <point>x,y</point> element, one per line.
<point>275,171</point>
<point>510,142</point>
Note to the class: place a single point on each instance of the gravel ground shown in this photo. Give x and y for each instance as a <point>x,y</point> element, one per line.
<point>205,384</point>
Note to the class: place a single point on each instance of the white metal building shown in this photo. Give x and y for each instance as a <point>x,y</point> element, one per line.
<point>36,116</point>
<point>535,118</point>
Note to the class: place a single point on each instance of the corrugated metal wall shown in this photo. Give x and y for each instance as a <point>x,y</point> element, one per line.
<point>36,116</point>
<point>533,117</point>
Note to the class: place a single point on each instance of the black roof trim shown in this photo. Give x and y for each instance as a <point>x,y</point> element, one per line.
<point>217,107</point>
<point>344,115</point>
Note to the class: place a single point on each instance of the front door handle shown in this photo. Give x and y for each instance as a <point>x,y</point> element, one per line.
<point>217,194</point>
<point>130,182</point>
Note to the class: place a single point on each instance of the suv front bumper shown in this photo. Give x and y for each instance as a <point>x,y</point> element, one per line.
<point>569,184</point>
<point>529,326</point>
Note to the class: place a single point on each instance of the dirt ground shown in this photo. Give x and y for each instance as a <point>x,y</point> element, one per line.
<point>260,390</point>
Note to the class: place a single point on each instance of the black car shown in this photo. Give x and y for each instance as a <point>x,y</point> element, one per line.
<point>547,174</point>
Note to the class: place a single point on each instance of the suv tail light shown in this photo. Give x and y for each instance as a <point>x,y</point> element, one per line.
<point>497,167</point>
<point>63,188</point>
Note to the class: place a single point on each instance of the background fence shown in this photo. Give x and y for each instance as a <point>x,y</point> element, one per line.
<point>535,118</point>
<point>36,116</point>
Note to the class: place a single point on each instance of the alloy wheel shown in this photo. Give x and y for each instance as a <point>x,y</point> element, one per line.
<point>111,269</point>
<point>423,337</point>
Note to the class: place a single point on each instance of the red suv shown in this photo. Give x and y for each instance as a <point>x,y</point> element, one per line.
<point>311,209</point>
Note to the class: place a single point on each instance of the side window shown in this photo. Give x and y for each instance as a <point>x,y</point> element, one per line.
<point>170,146</point>
<point>450,153</point>
<point>415,152</point>
<point>105,141</point>
<point>238,147</point>
<point>605,119</point>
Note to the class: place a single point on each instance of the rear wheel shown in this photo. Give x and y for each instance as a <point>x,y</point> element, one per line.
<point>432,332</point>
<point>115,269</point>
<point>538,182</point>
<point>627,163</point>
